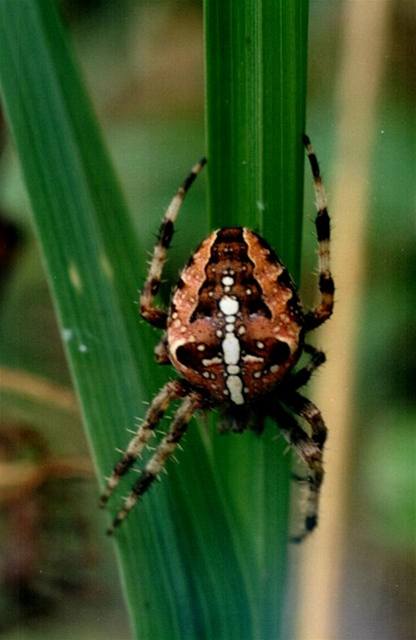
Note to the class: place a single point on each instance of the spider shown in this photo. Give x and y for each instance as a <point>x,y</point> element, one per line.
<point>234,331</point>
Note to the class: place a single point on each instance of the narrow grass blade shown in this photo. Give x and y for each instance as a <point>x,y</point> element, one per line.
<point>256,96</point>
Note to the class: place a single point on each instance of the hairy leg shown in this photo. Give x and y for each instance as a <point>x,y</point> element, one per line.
<point>326,284</point>
<point>310,453</point>
<point>302,377</point>
<point>157,462</point>
<point>153,314</point>
<point>171,391</point>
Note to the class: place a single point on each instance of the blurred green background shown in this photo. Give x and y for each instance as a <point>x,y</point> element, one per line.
<point>143,64</point>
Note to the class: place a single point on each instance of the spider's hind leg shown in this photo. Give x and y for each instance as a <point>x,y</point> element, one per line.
<point>310,453</point>
<point>157,462</point>
<point>310,412</point>
<point>302,377</point>
<point>171,391</point>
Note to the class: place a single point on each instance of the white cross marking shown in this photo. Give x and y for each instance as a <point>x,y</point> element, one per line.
<point>235,385</point>
<point>231,345</point>
<point>229,306</point>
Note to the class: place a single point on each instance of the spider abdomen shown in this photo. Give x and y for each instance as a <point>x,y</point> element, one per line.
<point>235,322</point>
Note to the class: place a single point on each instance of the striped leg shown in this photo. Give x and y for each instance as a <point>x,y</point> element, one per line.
<point>310,412</point>
<point>326,284</point>
<point>302,377</point>
<point>311,454</point>
<point>157,462</point>
<point>171,391</point>
<point>154,315</point>
<point>161,351</point>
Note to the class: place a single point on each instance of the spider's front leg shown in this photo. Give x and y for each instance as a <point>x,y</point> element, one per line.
<point>171,391</point>
<point>326,284</point>
<point>153,314</point>
<point>157,462</point>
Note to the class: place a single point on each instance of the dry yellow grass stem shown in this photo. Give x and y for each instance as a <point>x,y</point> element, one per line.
<point>40,389</point>
<point>360,75</point>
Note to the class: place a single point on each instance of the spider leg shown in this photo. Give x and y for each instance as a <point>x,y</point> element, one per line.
<point>157,462</point>
<point>326,284</point>
<point>310,412</point>
<point>171,391</point>
<point>153,314</point>
<point>302,377</point>
<point>161,351</point>
<point>310,454</point>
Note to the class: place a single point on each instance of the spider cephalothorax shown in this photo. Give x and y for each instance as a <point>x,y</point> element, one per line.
<point>234,331</point>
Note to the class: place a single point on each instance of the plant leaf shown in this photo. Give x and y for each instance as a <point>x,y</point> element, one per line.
<point>256,85</point>
<point>204,555</point>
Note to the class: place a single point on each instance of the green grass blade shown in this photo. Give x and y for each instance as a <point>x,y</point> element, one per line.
<point>199,557</point>
<point>256,90</point>
<point>90,256</point>
<point>255,97</point>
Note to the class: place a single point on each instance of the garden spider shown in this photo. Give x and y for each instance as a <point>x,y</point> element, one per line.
<point>234,331</point>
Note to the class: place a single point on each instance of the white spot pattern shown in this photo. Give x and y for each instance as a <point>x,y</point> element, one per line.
<point>251,358</point>
<point>233,368</point>
<point>67,334</point>
<point>231,349</point>
<point>231,345</point>
<point>207,362</point>
<point>235,386</point>
<point>229,306</point>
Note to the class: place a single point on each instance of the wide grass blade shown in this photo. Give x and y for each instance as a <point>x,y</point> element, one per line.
<point>204,555</point>
<point>91,259</point>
